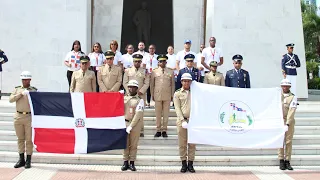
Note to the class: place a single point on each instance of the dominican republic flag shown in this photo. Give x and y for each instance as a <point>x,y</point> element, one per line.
<point>77,123</point>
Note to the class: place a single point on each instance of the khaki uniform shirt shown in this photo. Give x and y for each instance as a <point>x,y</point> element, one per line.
<point>22,102</point>
<point>140,75</point>
<point>109,81</point>
<point>83,83</point>
<point>182,105</point>
<point>289,106</point>
<point>133,109</point>
<point>162,84</point>
<point>214,78</point>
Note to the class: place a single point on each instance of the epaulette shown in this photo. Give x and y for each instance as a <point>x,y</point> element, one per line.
<point>33,88</point>
<point>17,86</point>
<point>244,70</point>
<point>1,50</point>
<point>178,90</point>
<point>155,68</point>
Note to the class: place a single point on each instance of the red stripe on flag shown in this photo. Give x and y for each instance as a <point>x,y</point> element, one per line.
<point>54,140</point>
<point>104,104</point>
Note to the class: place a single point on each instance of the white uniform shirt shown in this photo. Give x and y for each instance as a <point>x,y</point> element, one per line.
<point>171,62</point>
<point>211,54</point>
<point>96,59</point>
<point>150,61</point>
<point>127,60</point>
<point>143,53</point>
<point>198,57</point>
<point>180,57</point>
<point>117,58</point>
<point>73,58</point>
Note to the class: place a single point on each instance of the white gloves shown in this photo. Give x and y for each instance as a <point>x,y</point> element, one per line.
<point>121,91</point>
<point>128,129</point>
<point>285,128</point>
<point>185,125</point>
<point>25,92</point>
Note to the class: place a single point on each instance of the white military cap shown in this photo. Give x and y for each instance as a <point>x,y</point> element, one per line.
<point>186,76</point>
<point>25,75</point>
<point>133,83</point>
<point>285,82</point>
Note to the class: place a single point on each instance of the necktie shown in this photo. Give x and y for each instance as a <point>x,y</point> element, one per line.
<point>83,73</point>
<point>162,71</point>
<point>214,74</point>
<point>136,69</point>
<point>109,68</point>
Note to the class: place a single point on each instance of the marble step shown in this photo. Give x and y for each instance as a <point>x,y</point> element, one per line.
<point>148,160</point>
<point>150,121</point>
<point>173,139</point>
<point>302,111</point>
<point>201,150</point>
<point>151,130</point>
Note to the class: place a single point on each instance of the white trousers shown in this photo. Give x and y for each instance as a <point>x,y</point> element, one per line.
<point>293,80</point>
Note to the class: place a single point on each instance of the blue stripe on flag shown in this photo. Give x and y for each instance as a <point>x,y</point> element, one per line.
<point>51,104</point>
<point>106,139</point>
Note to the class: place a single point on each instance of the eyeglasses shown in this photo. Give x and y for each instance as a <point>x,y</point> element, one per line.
<point>96,46</point>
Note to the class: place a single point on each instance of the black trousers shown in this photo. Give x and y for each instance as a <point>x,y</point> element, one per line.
<point>148,95</point>
<point>69,76</point>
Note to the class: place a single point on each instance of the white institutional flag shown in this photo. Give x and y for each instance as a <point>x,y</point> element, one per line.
<point>236,117</point>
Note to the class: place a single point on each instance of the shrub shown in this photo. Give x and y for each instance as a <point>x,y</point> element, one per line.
<point>314,83</point>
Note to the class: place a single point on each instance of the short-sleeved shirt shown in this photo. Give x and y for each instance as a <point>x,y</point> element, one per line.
<point>171,62</point>
<point>198,57</point>
<point>211,54</point>
<point>150,61</point>
<point>127,60</point>
<point>117,57</point>
<point>180,57</point>
<point>96,59</point>
<point>73,58</point>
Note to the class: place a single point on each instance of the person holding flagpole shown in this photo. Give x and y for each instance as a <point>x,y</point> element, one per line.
<point>133,108</point>
<point>289,106</point>
<point>182,102</point>
<point>22,119</point>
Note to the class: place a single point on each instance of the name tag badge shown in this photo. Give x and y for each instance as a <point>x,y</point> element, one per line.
<point>231,75</point>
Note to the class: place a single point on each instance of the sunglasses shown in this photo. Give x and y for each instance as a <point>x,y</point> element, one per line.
<point>108,58</point>
<point>96,46</point>
<point>137,61</point>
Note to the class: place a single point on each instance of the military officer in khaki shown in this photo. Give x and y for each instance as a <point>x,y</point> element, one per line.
<point>136,72</point>
<point>22,119</point>
<point>162,89</point>
<point>83,80</point>
<point>109,75</point>
<point>182,106</point>
<point>133,108</point>
<point>289,106</point>
<point>214,77</point>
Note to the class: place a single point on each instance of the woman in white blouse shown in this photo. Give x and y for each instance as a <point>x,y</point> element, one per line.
<point>72,59</point>
<point>96,60</point>
<point>126,59</point>
<point>114,48</point>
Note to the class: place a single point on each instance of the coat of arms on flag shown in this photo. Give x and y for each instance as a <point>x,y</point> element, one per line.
<point>77,123</point>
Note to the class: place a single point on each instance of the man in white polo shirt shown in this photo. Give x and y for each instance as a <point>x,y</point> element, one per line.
<point>180,62</point>
<point>211,53</point>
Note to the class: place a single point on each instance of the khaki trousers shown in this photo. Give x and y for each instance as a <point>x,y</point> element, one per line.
<point>286,151</point>
<point>130,153</point>
<point>183,142</point>
<point>22,126</point>
<point>162,109</point>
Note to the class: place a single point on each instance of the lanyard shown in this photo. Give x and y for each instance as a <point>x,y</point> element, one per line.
<point>97,57</point>
<point>151,57</point>
<point>213,53</point>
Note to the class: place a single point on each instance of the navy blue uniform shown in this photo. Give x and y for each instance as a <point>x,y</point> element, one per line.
<point>195,73</point>
<point>238,80</point>
<point>3,59</point>
<point>289,64</point>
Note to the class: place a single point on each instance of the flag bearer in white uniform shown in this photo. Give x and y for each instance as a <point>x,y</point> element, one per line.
<point>290,62</point>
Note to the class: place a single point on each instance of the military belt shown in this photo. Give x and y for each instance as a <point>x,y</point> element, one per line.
<point>206,72</point>
<point>23,112</point>
<point>291,67</point>
<point>127,120</point>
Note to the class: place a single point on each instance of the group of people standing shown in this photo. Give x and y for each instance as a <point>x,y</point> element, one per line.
<point>165,78</point>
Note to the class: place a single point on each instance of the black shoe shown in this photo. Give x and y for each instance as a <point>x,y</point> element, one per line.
<point>282,166</point>
<point>158,134</point>
<point>28,162</point>
<point>184,167</point>
<point>190,167</point>
<point>125,166</point>
<point>288,166</point>
<point>164,134</point>
<point>21,162</point>
<point>141,135</point>
<point>132,167</point>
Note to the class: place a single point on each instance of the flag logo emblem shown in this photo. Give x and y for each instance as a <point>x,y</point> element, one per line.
<point>80,123</point>
<point>236,117</point>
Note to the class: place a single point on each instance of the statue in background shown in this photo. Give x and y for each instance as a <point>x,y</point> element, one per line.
<point>142,21</point>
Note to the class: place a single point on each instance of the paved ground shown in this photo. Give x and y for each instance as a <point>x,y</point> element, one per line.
<point>97,172</point>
